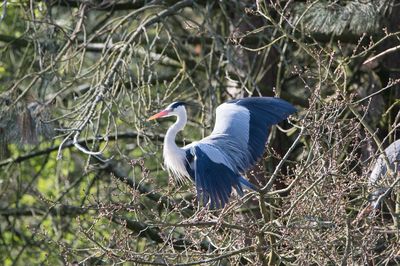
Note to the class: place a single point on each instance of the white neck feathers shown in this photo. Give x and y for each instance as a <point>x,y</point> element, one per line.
<point>174,157</point>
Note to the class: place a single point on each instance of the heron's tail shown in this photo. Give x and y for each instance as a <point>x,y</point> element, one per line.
<point>245,182</point>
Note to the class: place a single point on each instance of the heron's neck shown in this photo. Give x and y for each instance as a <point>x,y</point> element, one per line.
<point>174,157</point>
<point>169,141</point>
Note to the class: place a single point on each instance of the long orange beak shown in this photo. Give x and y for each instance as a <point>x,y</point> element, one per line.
<point>158,115</point>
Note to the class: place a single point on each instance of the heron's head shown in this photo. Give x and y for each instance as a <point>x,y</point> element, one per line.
<point>175,108</point>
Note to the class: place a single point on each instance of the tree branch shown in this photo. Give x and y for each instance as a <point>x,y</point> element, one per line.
<point>142,229</point>
<point>153,233</point>
<point>101,5</point>
<point>63,210</point>
<point>69,144</point>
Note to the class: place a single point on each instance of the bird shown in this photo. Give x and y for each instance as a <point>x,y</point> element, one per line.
<point>379,172</point>
<point>217,163</point>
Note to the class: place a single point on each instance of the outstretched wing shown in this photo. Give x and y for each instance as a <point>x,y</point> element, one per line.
<point>242,128</point>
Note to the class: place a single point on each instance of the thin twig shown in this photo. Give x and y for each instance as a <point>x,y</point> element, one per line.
<point>388,51</point>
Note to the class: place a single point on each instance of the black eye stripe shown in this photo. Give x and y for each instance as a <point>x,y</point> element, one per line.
<point>176,104</point>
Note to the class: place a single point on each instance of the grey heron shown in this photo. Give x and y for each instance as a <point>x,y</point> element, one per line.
<point>379,172</point>
<point>216,163</point>
<point>377,177</point>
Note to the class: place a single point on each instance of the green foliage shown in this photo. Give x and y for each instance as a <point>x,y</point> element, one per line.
<point>350,17</point>
<point>81,175</point>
